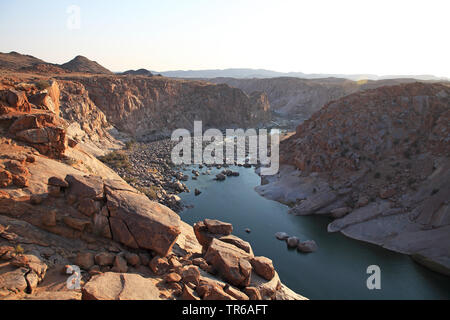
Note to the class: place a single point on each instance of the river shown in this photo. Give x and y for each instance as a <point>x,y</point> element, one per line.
<point>336,271</point>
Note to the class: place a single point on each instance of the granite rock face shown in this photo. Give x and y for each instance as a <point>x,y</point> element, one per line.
<point>147,106</point>
<point>378,162</point>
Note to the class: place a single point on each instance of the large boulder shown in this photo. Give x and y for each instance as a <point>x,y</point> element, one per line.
<point>47,99</point>
<point>263,267</point>
<point>218,227</point>
<point>17,100</point>
<point>267,288</point>
<point>307,246</point>
<point>34,121</point>
<point>152,225</point>
<point>230,261</point>
<point>90,187</point>
<point>119,286</point>
<point>238,242</point>
<point>208,229</point>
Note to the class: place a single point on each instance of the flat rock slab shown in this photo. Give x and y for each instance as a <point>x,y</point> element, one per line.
<point>120,286</point>
<point>151,225</point>
<point>81,187</point>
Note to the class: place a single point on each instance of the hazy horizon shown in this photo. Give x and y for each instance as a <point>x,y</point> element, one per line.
<point>324,37</point>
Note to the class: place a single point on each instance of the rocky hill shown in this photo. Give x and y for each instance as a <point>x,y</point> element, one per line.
<point>139,72</point>
<point>82,64</point>
<point>15,61</point>
<point>302,97</point>
<point>378,162</point>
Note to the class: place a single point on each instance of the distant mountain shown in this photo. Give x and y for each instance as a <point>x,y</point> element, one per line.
<point>263,73</point>
<point>140,72</point>
<point>16,61</point>
<point>84,65</point>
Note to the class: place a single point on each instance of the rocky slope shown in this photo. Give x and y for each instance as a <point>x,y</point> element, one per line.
<point>60,207</point>
<point>302,97</point>
<point>15,61</point>
<point>144,106</point>
<point>378,163</point>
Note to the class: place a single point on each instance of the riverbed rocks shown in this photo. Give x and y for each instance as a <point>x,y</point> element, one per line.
<point>307,246</point>
<point>281,235</point>
<point>220,177</point>
<point>292,242</point>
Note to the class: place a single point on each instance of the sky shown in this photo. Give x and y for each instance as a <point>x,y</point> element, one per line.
<point>403,37</point>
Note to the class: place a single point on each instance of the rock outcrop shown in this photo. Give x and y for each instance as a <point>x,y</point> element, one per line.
<point>378,162</point>
<point>155,106</point>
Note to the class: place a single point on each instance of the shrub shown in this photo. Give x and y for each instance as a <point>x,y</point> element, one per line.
<point>19,249</point>
<point>130,179</point>
<point>377,175</point>
<point>42,84</point>
<point>150,192</point>
<point>130,144</point>
<point>117,159</point>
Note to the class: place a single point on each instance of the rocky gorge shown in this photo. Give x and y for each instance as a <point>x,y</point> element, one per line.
<point>86,180</point>
<point>62,208</point>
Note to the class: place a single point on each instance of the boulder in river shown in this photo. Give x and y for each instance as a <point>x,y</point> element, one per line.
<point>220,177</point>
<point>281,235</point>
<point>307,246</point>
<point>292,242</point>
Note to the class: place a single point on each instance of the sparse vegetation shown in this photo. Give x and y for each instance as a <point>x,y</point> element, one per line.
<point>150,192</point>
<point>42,84</point>
<point>19,249</point>
<point>377,175</point>
<point>129,145</point>
<point>117,159</point>
<point>70,161</point>
<point>130,179</point>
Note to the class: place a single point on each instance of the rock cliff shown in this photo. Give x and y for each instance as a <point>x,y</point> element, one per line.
<point>155,106</point>
<point>302,97</point>
<point>378,162</point>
